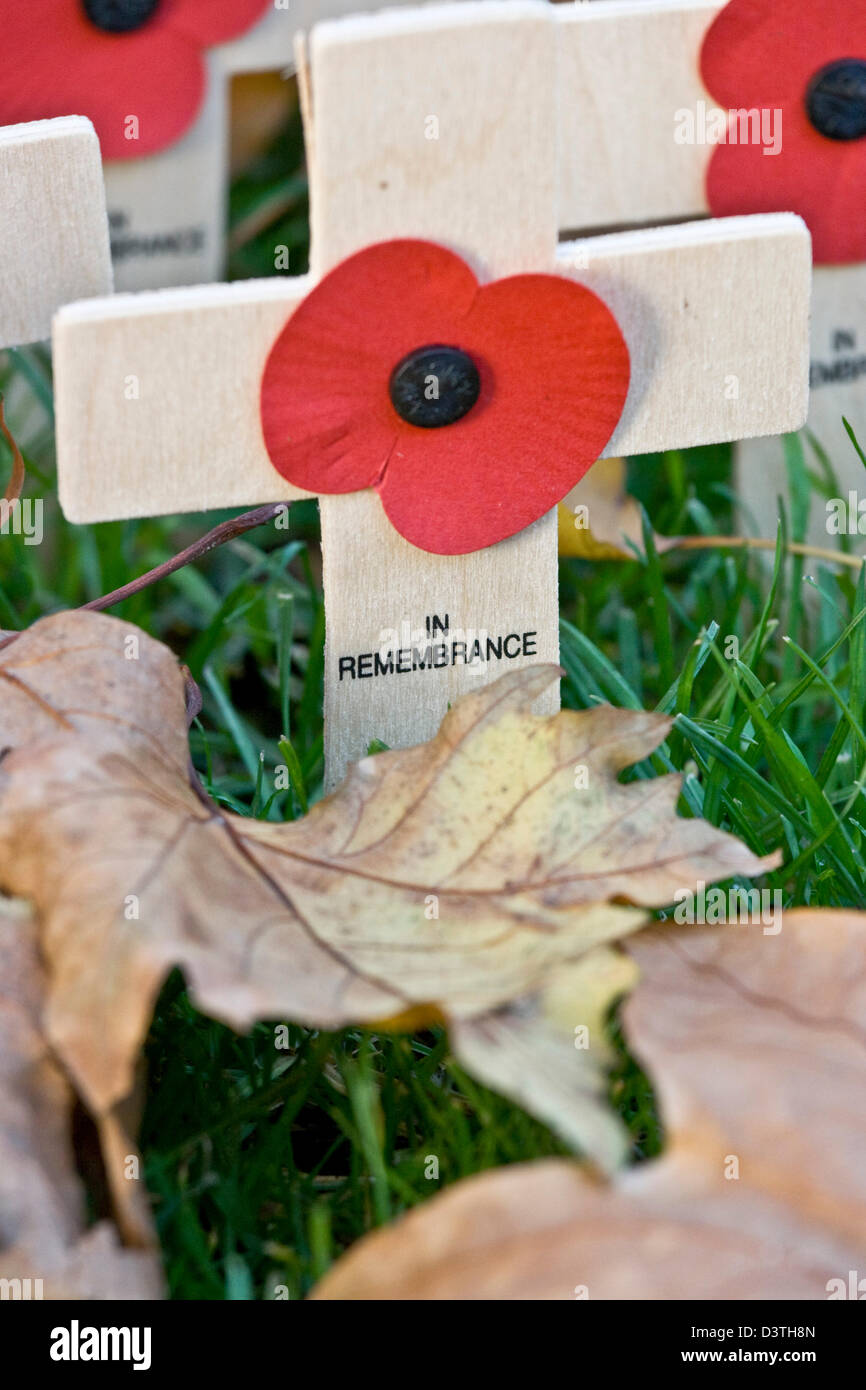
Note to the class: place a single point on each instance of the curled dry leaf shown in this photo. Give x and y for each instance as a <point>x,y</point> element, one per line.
<point>43,1231</point>
<point>600,520</point>
<point>64,674</point>
<point>757,1047</point>
<point>549,1052</point>
<point>546,1230</point>
<point>758,1043</point>
<point>458,876</point>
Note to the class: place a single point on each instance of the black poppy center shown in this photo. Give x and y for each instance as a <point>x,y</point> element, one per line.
<point>434,386</point>
<point>836,99</point>
<point>120,16</point>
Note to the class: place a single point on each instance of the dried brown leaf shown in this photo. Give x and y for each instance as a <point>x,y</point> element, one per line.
<point>757,1046</point>
<point>43,1231</point>
<point>549,1052</point>
<point>330,920</point>
<point>86,672</point>
<point>546,1230</point>
<point>600,520</point>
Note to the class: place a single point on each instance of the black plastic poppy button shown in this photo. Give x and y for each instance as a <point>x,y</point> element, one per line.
<point>120,16</point>
<point>836,100</point>
<point>434,386</point>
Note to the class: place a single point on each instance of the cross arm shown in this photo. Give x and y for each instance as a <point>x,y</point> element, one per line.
<point>158,393</point>
<point>157,399</point>
<point>53,224</point>
<point>716,317</point>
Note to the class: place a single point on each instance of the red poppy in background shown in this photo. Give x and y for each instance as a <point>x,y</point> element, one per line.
<point>807,60</point>
<point>112,59</point>
<point>471,409</point>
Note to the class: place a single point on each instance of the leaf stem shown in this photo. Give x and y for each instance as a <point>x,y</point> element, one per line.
<point>17,476</point>
<point>226,531</point>
<point>836,557</point>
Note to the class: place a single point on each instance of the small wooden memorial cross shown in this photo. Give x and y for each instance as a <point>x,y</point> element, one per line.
<point>53,225</point>
<point>437,124</point>
<point>676,108</point>
<point>169,209</point>
<point>153,76</point>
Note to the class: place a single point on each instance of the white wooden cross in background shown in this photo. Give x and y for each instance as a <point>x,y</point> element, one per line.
<point>630,69</point>
<point>53,225</point>
<point>168,210</point>
<point>697,304</point>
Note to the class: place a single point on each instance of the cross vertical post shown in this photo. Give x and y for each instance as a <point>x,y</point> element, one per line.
<point>456,149</point>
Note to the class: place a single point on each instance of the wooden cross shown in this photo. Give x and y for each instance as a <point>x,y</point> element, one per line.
<point>632,72</point>
<point>168,210</point>
<point>695,303</point>
<point>53,226</point>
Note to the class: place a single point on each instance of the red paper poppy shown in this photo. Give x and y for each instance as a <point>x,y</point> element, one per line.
<point>112,59</point>
<point>807,60</point>
<point>471,409</point>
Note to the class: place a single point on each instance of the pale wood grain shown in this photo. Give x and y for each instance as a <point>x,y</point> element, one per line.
<point>838,346</point>
<point>716,316</point>
<point>191,438</point>
<point>624,68</point>
<point>170,209</point>
<point>53,227</point>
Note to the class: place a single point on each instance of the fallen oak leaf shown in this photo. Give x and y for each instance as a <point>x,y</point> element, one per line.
<point>133,871</point>
<point>549,1051</point>
<point>81,671</point>
<point>106,971</point>
<point>548,1231</point>
<point>757,1049</point>
<point>788,1010</point>
<point>44,1236</point>
<point>600,520</point>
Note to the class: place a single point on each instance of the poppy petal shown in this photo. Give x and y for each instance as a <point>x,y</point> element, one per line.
<point>214,21</point>
<point>555,376</point>
<point>57,63</point>
<point>761,52</point>
<point>819,179</point>
<point>326,414</point>
<point>554,372</point>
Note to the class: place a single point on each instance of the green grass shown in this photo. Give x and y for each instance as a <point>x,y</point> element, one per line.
<point>265,1162</point>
